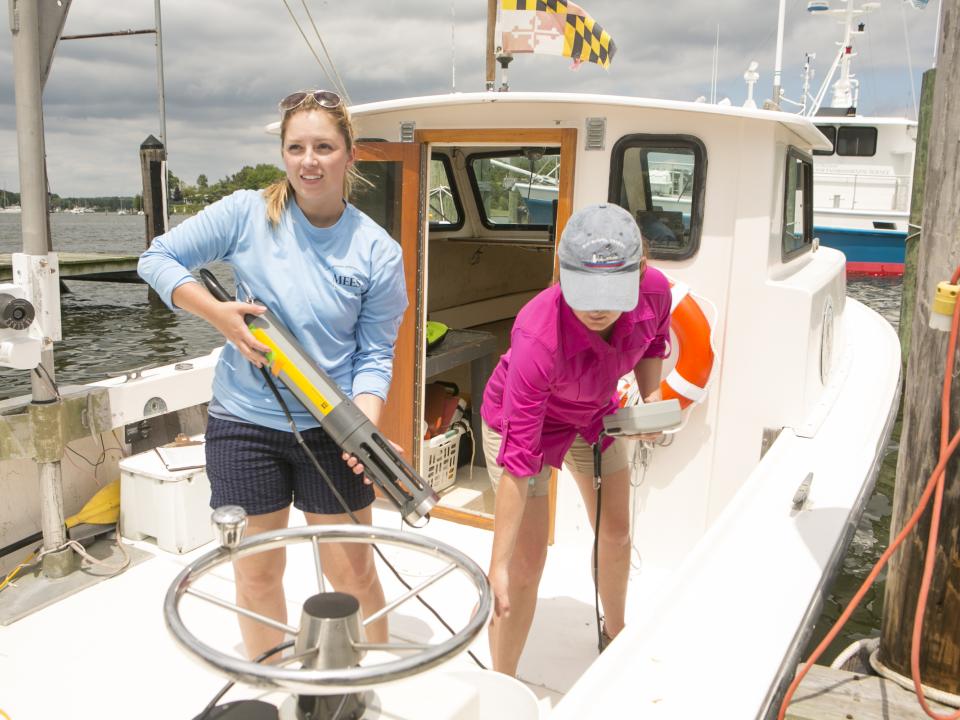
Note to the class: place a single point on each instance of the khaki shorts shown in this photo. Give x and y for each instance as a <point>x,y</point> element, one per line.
<point>578,459</point>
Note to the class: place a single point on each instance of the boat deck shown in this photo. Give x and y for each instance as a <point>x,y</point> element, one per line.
<point>115,631</point>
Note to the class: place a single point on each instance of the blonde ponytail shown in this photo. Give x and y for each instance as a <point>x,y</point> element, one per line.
<point>276,196</point>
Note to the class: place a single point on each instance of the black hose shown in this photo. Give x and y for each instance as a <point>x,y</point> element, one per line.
<point>223,691</point>
<point>19,544</point>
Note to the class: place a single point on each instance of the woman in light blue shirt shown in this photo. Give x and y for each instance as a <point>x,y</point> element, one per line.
<point>335,279</point>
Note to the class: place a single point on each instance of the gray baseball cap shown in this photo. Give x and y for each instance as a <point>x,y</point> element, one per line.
<point>600,254</point>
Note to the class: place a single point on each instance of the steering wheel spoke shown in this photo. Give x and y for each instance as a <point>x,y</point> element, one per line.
<point>232,607</point>
<point>394,647</point>
<point>412,593</point>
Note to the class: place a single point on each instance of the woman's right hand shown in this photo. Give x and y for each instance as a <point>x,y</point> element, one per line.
<point>500,585</point>
<point>227,317</point>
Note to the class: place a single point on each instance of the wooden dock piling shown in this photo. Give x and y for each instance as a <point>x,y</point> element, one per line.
<point>153,168</point>
<point>939,255</point>
<point>914,234</point>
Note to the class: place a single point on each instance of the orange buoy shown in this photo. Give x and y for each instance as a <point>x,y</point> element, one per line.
<point>688,380</point>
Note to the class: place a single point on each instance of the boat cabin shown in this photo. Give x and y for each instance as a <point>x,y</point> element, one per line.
<point>477,188</point>
<point>864,179</point>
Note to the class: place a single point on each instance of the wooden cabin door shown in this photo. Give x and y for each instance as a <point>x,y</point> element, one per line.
<point>391,191</point>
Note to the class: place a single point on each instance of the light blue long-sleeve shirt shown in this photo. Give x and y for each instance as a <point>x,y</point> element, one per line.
<point>340,290</point>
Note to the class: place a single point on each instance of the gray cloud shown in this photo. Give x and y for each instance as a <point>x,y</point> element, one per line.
<point>228,62</point>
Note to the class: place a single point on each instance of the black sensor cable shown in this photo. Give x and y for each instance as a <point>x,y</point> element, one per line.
<point>218,291</point>
<point>598,484</point>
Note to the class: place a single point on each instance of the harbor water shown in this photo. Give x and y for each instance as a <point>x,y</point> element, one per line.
<point>109,328</point>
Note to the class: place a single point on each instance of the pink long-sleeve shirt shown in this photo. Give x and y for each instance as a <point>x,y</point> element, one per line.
<point>559,379</point>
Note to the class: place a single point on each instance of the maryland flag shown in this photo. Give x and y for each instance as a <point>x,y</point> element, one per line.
<point>553,27</point>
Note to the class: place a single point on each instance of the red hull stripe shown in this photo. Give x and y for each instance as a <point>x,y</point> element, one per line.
<point>874,268</point>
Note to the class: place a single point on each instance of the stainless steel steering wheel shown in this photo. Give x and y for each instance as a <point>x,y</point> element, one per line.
<point>327,681</point>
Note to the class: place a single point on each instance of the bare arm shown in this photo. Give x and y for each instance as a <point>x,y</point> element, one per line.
<point>227,317</point>
<point>648,371</point>
<point>371,406</point>
<point>508,515</point>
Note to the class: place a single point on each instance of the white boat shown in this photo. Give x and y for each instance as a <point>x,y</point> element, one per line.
<point>10,209</point>
<point>863,182</point>
<point>738,525</point>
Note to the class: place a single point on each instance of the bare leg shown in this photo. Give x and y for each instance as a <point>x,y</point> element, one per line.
<point>260,586</point>
<point>350,569</point>
<point>508,633</point>
<point>614,541</point>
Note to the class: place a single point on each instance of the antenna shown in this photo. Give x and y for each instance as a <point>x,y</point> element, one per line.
<point>751,76</point>
<point>845,89</point>
<point>453,46</point>
<point>807,75</point>
<point>713,74</point>
<point>778,60</point>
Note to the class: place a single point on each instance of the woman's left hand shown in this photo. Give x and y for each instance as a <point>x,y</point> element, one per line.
<point>354,463</point>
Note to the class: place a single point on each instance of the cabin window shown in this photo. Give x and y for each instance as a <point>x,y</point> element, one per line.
<point>797,205</point>
<point>831,132</point>
<point>516,189</point>
<point>445,210</point>
<point>659,179</point>
<point>857,141</point>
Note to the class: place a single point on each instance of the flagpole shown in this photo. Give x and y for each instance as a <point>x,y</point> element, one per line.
<point>491,33</point>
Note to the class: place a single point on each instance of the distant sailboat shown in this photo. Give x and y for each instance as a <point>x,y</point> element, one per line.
<point>4,208</point>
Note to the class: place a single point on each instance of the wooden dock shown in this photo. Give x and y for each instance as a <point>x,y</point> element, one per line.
<point>827,694</point>
<point>87,266</point>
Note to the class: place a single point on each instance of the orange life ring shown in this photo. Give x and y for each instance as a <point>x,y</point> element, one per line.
<point>688,380</point>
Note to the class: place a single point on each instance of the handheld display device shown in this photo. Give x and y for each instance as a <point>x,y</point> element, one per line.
<point>662,416</point>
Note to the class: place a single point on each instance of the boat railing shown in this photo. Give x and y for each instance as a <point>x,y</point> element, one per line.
<point>862,191</point>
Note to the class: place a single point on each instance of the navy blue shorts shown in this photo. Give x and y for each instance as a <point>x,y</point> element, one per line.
<point>262,470</point>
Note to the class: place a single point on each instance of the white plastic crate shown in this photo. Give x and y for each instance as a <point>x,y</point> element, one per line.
<point>440,462</point>
<point>172,506</point>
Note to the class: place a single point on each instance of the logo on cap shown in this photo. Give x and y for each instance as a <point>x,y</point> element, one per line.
<point>606,259</point>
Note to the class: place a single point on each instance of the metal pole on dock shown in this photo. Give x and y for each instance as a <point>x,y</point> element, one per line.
<point>28,88</point>
<point>939,255</point>
<point>160,85</point>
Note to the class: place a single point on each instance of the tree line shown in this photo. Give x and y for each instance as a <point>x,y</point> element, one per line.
<point>183,196</point>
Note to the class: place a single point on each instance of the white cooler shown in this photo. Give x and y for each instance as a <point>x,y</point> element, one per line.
<point>172,506</point>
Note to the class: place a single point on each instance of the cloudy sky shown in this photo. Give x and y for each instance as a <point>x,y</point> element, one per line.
<point>227,62</point>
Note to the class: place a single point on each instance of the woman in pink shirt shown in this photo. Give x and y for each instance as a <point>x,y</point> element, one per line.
<point>544,407</point>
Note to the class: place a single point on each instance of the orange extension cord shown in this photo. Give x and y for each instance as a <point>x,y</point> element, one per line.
<point>935,483</point>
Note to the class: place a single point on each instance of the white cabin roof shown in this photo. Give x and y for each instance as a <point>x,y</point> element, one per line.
<point>803,127</point>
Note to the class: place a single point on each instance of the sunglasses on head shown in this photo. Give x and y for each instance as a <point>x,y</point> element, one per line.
<point>323,98</point>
